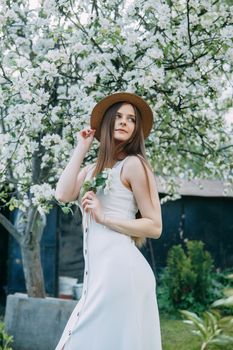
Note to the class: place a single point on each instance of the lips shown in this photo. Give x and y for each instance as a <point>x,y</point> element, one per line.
<point>121,130</point>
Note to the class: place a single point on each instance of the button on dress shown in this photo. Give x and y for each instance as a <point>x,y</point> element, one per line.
<point>118,307</point>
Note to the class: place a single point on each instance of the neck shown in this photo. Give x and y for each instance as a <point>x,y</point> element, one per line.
<point>120,156</point>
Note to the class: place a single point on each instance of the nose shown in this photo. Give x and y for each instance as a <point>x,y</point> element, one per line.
<point>122,122</point>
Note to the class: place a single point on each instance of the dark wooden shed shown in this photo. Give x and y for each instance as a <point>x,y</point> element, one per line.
<point>204,212</point>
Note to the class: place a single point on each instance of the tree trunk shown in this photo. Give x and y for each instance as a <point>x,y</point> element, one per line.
<point>30,227</point>
<point>32,270</point>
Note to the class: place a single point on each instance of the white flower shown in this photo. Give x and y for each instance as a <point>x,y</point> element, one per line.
<point>48,68</point>
<point>90,79</point>
<point>49,140</point>
<point>105,24</point>
<point>26,95</point>
<point>41,97</point>
<point>155,53</point>
<point>108,172</point>
<point>42,192</point>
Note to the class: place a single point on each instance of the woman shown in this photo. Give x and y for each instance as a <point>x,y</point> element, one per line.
<point>118,308</point>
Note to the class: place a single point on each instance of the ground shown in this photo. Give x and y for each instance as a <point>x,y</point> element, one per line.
<point>176,335</point>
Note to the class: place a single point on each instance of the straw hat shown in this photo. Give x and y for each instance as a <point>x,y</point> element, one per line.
<point>101,107</point>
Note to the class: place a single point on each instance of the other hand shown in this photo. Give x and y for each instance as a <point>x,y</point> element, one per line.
<point>91,203</point>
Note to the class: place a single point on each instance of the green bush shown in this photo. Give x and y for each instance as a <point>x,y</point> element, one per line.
<point>5,339</point>
<point>188,278</point>
<point>202,265</point>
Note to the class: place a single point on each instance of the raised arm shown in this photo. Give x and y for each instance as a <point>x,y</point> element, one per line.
<point>71,179</point>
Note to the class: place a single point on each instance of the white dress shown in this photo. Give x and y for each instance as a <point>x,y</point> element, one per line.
<point>118,307</point>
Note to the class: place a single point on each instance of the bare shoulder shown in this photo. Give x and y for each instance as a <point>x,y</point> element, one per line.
<point>133,163</point>
<point>134,171</point>
<point>132,160</point>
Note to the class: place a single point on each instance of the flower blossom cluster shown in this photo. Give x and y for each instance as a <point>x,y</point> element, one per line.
<point>54,67</point>
<point>101,182</point>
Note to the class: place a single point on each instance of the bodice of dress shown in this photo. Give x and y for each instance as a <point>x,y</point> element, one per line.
<point>119,201</point>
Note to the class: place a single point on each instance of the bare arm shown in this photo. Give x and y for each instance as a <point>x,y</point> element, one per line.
<point>150,225</point>
<point>137,227</point>
<point>71,179</point>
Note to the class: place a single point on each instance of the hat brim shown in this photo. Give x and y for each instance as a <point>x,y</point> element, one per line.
<point>102,106</point>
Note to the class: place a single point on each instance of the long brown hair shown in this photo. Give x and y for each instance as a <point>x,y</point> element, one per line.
<point>108,150</point>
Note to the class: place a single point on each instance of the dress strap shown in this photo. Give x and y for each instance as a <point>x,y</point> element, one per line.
<point>120,163</point>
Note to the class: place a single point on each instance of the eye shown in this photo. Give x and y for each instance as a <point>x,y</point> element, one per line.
<point>132,119</point>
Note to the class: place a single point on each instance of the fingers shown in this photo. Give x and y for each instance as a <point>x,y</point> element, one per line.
<point>88,207</point>
<point>89,195</point>
<point>89,203</point>
<point>87,132</point>
<point>92,206</point>
<point>88,200</point>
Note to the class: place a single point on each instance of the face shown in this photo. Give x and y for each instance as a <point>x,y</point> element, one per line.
<point>124,122</point>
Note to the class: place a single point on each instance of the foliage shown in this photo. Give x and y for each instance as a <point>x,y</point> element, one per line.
<point>5,339</point>
<point>225,303</point>
<point>187,279</point>
<point>213,328</point>
<point>219,282</point>
<point>210,328</point>
<point>202,266</point>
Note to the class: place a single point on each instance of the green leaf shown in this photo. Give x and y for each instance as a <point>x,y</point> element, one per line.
<point>11,207</point>
<point>191,316</point>
<point>197,322</point>
<point>222,340</point>
<point>223,302</point>
<point>65,210</point>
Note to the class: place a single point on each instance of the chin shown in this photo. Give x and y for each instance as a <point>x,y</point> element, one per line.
<point>121,137</point>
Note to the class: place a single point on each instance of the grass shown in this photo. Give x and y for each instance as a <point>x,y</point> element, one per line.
<point>177,336</point>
